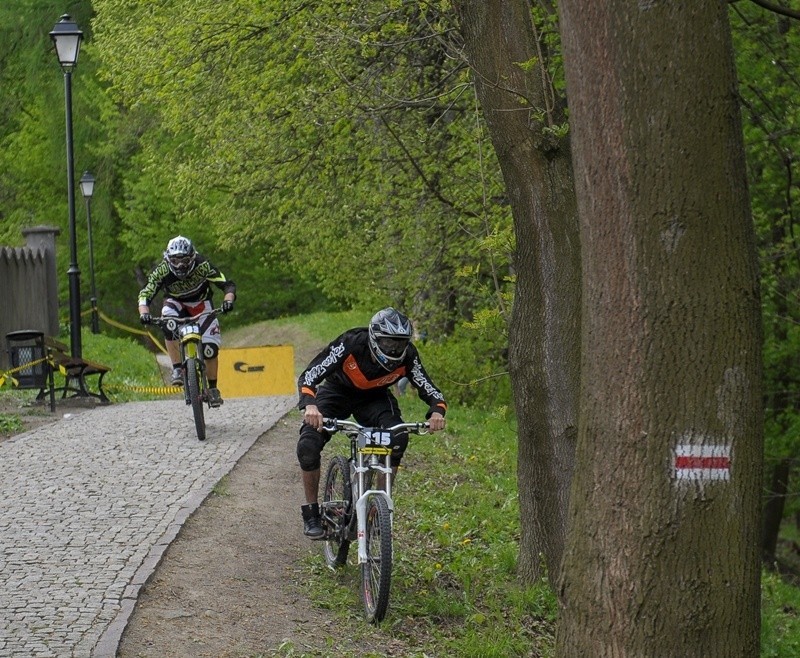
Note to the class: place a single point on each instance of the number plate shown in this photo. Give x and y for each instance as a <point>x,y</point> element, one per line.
<point>189,329</point>
<point>375,438</point>
<point>375,442</point>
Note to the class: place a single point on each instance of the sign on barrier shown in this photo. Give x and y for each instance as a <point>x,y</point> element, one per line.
<point>256,371</point>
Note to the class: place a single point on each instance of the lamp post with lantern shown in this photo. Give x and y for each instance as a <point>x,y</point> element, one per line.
<point>87,189</point>
<point>67,42</point>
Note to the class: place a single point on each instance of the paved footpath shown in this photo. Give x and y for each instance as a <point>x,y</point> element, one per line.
<point>89,504</point>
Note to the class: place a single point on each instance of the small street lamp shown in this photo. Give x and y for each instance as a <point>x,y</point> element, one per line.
<point>87,189</point>
<point>67,41</point>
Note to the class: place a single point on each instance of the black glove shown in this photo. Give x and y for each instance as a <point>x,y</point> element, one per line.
<point>227,306</point>
<point>145,318</point>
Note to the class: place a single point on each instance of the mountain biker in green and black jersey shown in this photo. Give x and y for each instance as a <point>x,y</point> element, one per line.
<point>354,375</point>
<point>186,277</point>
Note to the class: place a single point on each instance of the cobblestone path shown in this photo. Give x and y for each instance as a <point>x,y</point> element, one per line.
<point>89,504</point>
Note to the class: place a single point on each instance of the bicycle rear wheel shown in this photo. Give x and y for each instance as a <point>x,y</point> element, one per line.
<point>376,572</point>
<point>336,512</point>
<point>195,396</point>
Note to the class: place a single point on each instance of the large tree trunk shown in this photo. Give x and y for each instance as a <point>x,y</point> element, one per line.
<point>545,329</point>
<point>662,555</point>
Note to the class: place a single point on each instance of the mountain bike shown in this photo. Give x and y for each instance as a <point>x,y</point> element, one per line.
<point>354,509</point>
<point>195,383</point>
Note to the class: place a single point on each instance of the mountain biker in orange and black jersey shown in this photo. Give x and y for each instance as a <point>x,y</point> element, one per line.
<point>186,276</point>
<point>358,370</point>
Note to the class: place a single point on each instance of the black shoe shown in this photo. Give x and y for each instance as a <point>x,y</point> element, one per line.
<point>312,524</point>
<point>214,398</point>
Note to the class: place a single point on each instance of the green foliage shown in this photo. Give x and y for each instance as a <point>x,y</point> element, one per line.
<point>471,365</point>
<point>767,48</point>
<point>10,423</point>
<point>780,617</point>
<point>268,129</point>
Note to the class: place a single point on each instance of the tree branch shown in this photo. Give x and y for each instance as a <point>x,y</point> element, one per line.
<point>784,11</point>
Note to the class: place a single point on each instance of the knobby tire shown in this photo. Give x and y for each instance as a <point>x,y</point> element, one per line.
<point>376,572</point>
<point>195,396</point>
<point>336,510</point>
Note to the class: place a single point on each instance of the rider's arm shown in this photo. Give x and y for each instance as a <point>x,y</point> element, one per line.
<point>227,286</point>
<point>322,366</point>
<point>426,389</point>
<point>154,283</point>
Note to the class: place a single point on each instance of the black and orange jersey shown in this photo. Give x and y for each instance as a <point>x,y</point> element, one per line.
<point>195,287</point>
<point>348,365</point>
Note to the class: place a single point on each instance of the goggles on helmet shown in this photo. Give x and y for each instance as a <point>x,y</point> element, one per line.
<point>394,348</point>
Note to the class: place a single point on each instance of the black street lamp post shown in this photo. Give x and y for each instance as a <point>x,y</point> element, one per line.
<point>87,189</point>
<point>67,41</point>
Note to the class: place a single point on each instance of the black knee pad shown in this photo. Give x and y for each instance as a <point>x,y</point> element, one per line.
<point>309,448</point>
<point>210,350</point>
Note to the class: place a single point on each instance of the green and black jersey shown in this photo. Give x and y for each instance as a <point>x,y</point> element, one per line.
<point>195,287</point>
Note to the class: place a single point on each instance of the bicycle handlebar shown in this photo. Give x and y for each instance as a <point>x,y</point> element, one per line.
<point>336,425</point>
<point>163,320</point>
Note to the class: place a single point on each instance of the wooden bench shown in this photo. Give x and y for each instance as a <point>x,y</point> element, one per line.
<point>75,372</point>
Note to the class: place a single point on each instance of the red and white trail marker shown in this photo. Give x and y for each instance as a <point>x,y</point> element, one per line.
<point>703,462</point>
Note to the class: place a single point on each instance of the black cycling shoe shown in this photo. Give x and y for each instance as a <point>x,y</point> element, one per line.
<point>312,523</point>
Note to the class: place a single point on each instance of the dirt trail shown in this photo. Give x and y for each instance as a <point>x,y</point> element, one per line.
<point>228,585</point>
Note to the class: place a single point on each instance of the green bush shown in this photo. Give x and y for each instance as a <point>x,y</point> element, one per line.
<point>471,366</point>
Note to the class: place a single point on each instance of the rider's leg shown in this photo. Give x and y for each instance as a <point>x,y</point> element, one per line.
<point>309,449</point>
<point>212,367</point>
<point>311,485</point>
<point>174,352</point>
<point>309,456</point>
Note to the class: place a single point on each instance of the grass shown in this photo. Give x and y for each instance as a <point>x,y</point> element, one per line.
<point>10,423</point>
<point>454,588</point>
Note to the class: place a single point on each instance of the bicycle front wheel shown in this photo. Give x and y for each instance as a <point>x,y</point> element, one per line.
<point>336,512</point>
<point>194,392</point>
<point>376,572</point>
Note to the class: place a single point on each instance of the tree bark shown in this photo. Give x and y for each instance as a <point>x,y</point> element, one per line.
<point>520,106</point>
<point>662,555</point>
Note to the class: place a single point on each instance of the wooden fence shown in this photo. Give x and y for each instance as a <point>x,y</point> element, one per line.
<point>29,286</point>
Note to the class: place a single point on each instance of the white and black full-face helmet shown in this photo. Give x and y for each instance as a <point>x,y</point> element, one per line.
<point>180,256</point>
<point>389,335</point>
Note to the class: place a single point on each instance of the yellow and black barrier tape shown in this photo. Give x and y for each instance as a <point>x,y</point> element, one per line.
<point>124,327</point>
<point>151,390</point>
<point>7,374</point>
<point>133,330</point>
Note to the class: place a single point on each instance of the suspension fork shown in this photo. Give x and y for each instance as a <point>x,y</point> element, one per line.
<point>361,503</point>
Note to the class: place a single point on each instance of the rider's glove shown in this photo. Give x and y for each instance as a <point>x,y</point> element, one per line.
<point>145,318</point>
<point>227,306</point>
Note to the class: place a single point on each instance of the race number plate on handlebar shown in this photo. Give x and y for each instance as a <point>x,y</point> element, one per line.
<point>189,330</point>
<point>375,442</point>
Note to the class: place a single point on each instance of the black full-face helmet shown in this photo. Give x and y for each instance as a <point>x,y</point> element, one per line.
<point>389,335</point>
<point>180,256</point>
